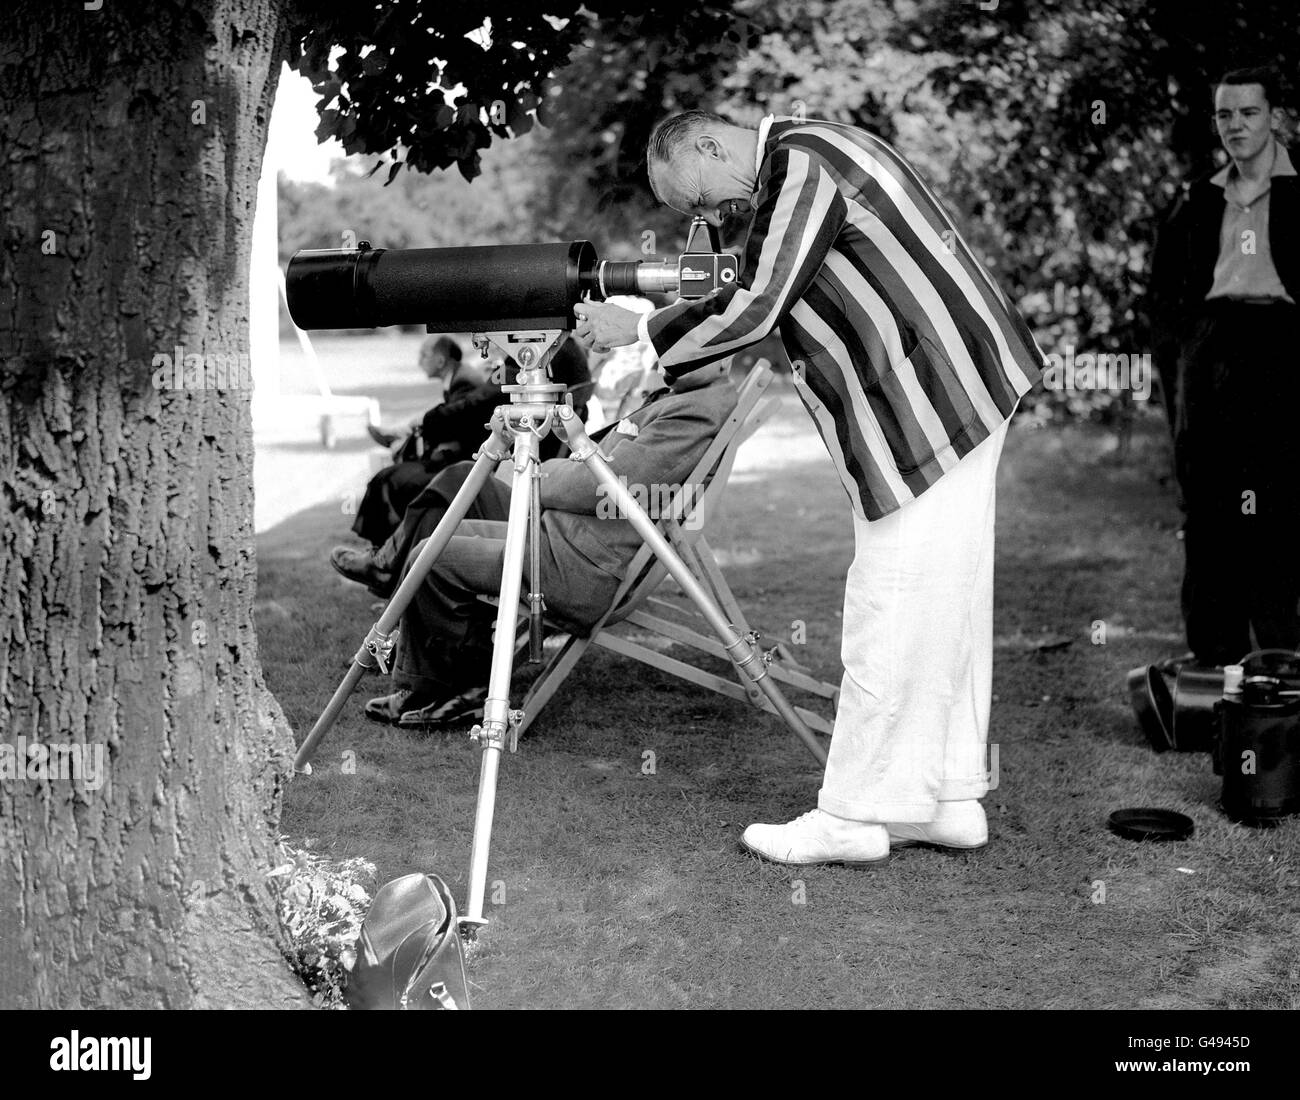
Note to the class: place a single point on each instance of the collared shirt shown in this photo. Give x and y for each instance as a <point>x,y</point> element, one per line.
<point>764,128</point>
<point>905,351</point>
<point>1245,267</point>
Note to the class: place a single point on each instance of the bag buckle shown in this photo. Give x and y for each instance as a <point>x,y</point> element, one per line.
<point>438,991</point>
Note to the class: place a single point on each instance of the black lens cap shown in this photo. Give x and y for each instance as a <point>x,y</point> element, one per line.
<point>1150,824</point>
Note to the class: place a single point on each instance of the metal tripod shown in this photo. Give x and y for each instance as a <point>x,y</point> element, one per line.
<point>536,407</point>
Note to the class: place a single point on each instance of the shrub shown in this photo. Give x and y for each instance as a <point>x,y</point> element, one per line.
<point>321,907</point>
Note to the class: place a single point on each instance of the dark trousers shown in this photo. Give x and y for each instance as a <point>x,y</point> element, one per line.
<point>445,643</point>
<point>390,492</point>
<point>1237,453</point>
<point>425,512</point>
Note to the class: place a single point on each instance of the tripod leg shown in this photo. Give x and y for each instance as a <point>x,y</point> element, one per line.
<point>536,604</point>
<point>743,652</point>
<point>496,710</point>
<point>378,643</point>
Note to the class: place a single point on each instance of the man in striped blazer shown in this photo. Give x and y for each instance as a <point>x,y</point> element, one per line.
<point>911,361</point>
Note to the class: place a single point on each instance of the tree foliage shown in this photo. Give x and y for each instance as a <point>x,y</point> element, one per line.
<point>592,178</point>
<point>386,73</point>
<point>438,210</point>
<point>1089,116</point>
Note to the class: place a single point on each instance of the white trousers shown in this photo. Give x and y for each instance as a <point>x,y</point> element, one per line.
<point>912,725</point>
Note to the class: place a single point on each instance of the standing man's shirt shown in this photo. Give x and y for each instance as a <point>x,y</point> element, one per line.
<point>1245,268</point>
<point>1190,248</point>
<point>905,352</point>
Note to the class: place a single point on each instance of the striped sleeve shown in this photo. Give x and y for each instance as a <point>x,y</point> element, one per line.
<point>800,212</point>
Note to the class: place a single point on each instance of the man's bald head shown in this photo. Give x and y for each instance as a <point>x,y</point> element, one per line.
<point>677,133</point>
<point>698,161</point>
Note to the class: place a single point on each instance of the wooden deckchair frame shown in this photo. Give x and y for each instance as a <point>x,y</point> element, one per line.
<point>636,604</point>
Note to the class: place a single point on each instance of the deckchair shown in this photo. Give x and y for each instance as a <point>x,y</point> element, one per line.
<point>641,622</point>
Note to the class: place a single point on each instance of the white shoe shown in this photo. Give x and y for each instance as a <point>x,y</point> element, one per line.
<point>957,825</point>
<point>819,837</point>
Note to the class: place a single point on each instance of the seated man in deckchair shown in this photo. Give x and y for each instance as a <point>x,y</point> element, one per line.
<point>444,647</point>
<point>450,431</point>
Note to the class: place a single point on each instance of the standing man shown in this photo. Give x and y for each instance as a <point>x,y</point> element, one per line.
<point>911,361</point>
<point>1225,282</point>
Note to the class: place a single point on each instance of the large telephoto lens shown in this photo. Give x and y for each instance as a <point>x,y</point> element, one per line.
<point>478,289</point>
<point>635,277</point>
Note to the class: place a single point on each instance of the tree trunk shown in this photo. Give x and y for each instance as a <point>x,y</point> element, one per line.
<point>131,139</point>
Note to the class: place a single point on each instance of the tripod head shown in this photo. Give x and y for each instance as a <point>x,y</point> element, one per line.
<point>533,350</point>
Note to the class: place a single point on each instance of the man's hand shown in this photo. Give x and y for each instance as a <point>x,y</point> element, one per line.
<point>604,325</point>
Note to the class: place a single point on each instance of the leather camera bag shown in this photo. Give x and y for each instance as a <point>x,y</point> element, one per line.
<point>409,953</point>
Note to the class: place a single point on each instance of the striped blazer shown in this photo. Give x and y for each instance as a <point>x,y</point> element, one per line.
<point>905,351</point>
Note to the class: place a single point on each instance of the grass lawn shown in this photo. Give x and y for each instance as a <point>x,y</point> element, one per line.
<point>616,889</point>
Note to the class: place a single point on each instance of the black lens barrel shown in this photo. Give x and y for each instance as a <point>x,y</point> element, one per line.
<point>473,289</point>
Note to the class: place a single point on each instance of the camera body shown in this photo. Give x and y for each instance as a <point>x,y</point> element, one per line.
<point>701,271</point>
<point>697,272</point>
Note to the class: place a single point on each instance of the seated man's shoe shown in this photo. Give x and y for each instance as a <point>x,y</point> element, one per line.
<point>819,837</point>
<point>383,438</point>
<point>359,566</point>
<point>388,708</point>
<point>441,713</point>
<point>958,826</point>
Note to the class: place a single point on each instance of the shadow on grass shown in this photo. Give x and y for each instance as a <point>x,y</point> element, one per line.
<point>615,888</point>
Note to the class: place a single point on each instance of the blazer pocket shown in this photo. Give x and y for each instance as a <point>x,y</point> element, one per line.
<point>933,371</point>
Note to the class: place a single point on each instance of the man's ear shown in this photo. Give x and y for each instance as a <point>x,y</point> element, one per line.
<point>709,145</point>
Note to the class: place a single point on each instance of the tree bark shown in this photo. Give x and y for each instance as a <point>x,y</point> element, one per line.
<point>131,139</point>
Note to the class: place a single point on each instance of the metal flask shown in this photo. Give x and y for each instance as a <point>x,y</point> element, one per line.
<point>1258,752</point>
